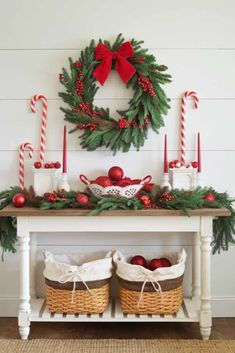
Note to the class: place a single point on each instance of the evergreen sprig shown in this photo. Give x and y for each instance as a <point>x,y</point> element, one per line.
<point>141,106</point>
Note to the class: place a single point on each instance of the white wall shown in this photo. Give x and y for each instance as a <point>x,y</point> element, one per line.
<point>195,39</point>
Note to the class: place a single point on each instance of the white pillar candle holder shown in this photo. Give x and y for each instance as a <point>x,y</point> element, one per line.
<point>166,181</point>
<point>63,182</point>
<point>184,178</point>
<point>45,180</point>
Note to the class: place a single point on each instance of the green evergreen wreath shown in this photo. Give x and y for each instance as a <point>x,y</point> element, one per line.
<point>146,108</point>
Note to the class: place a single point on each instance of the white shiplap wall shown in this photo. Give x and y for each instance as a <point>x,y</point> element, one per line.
<point>195,39</point>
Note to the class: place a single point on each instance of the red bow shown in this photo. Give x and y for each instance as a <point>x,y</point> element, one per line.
<point>123,67</point>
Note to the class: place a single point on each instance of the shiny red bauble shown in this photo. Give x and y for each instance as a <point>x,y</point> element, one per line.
<point>165,262</point>
<point>157,263</point>
<point>210,197</point>
<point>47,165</point>
<point>82,199</point>
<point>172,164</point>
<point>57,165</point>
<point>37,165</point>
<point>19,200</point>
<point>138,260</point>
<point>103,181</point>
<point>148,187</point>
<point>116,173</point>
<point>194,164</point>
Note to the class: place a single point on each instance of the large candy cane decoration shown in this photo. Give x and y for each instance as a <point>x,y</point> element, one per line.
<point>24,147</point>
<point>186,95</point>
<point>44,122</point>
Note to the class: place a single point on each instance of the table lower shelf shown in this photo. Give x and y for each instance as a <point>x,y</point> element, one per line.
<point>189,312</point>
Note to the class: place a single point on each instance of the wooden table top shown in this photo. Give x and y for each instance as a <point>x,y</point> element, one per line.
<point>11,211</point>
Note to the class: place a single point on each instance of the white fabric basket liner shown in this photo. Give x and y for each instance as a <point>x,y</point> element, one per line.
<point>138,273</point>
<point>75,267</point>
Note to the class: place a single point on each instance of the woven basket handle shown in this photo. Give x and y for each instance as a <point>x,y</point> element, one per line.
<point>146,180</point>
<point>84,179</point>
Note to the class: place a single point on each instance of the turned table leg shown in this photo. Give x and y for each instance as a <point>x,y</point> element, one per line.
<point>205,310</point>
<point>24,298</point>
<point>33,264</point>
<point>196,266</point>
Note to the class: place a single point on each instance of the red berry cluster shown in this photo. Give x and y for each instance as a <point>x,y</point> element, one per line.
<point>56,165</point>
<point>78,63</point>
<point>51,197</point>
<point>147,202</point>
<point>85,107</point>
<point>79,87</point>
<point>146,85</point>
<point>166,197</point>
<point>89,126</point>
<point>61,77</point>
<point>124,124</point>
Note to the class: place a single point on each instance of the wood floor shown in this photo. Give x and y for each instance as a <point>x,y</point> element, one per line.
<point>223,328</point>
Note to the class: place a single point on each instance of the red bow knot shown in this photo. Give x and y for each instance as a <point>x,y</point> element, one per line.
<point>123,67</point>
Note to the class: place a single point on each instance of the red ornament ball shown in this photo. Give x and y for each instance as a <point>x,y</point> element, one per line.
<point>165,262</point>
<point>57,165</point>
<point>37,165</point>
<point>210,197</point>
<point>116,173</point>
<point>195,164</point>
<point>145,200</point>
<point>157,263</point>
<point>103,181</point>
<point>172,164</point>
<point>139,260</point>
<point>47,165</point>
<point>19,200</point>
<point>82,199</point>
<point>148,187</point>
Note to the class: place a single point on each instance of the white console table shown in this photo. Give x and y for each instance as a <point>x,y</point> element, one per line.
<point>31,220</point>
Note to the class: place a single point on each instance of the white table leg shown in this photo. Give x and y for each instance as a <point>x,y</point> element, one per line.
<point>196,266</point>
<point>24,298</point>
<point>205,310</point>
<point>33,264</point>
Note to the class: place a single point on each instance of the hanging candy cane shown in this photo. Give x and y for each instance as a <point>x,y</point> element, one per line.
<point>24,147</point>
<point>186,95</point>
<point>44,122</point>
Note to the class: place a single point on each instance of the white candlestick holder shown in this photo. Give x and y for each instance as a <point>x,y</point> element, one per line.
<point>166,181</point>
<point>45,180</point>
<point>184,178</point>
<point>63,182</point>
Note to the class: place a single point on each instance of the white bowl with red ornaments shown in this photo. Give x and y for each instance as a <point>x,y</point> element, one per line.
<point>46,177</point>
<point>115,184</point>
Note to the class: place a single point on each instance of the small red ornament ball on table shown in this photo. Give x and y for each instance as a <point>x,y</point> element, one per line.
<point>82,199</point>
<point>210,197</point>
<point>19,200</point>
<point>139,260</point>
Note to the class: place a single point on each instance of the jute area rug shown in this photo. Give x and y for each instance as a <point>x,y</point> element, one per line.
<point>116,346</point>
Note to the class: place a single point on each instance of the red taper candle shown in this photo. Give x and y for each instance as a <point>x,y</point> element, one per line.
<point>165,169</point>
<point>64,152</point>
<point>199,169</point>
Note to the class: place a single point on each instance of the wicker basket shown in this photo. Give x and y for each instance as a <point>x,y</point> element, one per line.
<point>63,298</point>
<point>151,302</point>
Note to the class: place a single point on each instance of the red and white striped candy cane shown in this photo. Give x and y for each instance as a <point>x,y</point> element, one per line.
<point>186,95</point>
<point>44,122</point>
<point>24,147</point>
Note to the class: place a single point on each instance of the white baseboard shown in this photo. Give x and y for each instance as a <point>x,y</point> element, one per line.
<point>221,306</point>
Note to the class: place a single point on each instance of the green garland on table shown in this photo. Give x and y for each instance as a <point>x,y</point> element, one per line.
<point>146,108</point>
<point>223,227</point>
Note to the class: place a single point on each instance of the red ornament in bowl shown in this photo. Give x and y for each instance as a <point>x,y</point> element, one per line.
<point>154,264</point>
<point>103,181</point>
<point>116,173</point>
<point>139,260</point>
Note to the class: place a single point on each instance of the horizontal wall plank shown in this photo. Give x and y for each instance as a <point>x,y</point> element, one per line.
<point>216,167</point>
<point>210,72</point>
<point>58,24</point>
<point>213,120</point>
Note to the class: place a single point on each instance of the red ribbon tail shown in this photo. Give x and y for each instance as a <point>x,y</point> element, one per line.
<point>103,69</point>
<point>124,68</point>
